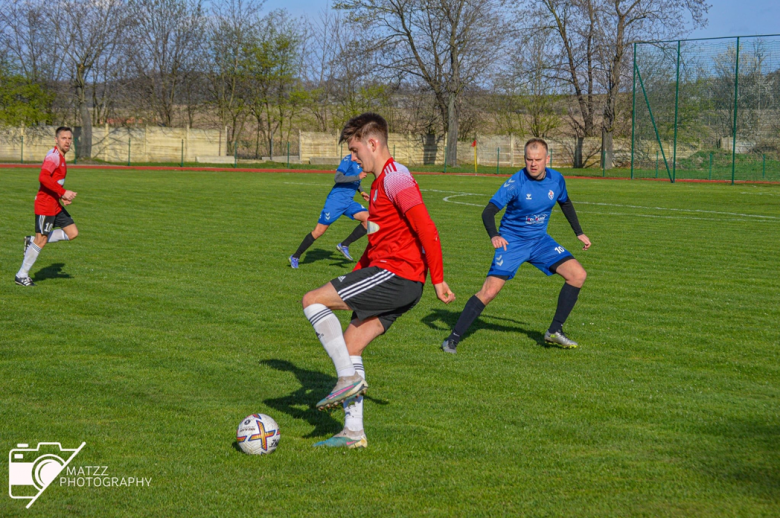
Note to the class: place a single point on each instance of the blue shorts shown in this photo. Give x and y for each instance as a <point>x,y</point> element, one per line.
<point>543,253</point>
<point>335,208</point>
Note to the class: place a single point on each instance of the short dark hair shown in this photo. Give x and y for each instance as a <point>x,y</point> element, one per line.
<point>61,129</point>
<point>536,142</point>
<point>363,125</point>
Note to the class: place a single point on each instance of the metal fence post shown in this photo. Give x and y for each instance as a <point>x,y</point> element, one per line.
<point>551,158</point>
<point>676,103</point>
<point>633,114</point>
<point>75,151</point>
<point>498,158</point>
<point>655,127</point>
<point>288,154</point>
<point>710,177</point>
<point>763,166</point>
<point>734,130</point>
<point>22,149</point>
<point>182,152</point>
<point>235,154</point>
<point>129,141</point>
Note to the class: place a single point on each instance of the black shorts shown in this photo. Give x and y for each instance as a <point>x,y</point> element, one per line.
<point>374,292</point>
<point>45,224</point>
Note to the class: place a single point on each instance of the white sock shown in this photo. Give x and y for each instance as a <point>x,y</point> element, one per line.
<point>354,412</point>
<point>29,260</point>
<point>58,235</point>
<point>328,329</point>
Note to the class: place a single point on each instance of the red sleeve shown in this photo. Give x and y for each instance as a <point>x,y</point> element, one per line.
<point>423,226</point>
<point>46,177</point>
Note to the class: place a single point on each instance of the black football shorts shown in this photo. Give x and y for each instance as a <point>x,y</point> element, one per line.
<point>45,224</point>
<point>374,292</point>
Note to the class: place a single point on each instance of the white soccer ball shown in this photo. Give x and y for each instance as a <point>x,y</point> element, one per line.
<point>257,434</point>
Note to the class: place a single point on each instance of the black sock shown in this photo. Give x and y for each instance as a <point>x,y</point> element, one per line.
<point>305,244</point>
<point>470,313</point>
<point>566,301</point>
<point>356,234</point>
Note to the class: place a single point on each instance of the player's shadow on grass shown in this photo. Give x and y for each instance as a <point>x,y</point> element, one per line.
<point>301,403</point>
<point>444,320</point>
<point>53,271</point>
<point>318,254</point>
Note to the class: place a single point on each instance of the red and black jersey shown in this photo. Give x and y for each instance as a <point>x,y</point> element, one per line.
<point>52,178</point>
<point>402,238</point>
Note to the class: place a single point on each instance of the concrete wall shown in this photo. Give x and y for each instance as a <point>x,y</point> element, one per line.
<point>429,149</point>
<point>144,144</point>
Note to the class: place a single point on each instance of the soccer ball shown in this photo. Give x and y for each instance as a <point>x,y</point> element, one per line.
<point>257,434</point>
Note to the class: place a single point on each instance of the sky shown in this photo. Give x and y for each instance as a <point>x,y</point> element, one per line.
<point>725,18</point>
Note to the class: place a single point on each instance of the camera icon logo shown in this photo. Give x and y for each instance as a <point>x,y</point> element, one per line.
<point>31,470</point>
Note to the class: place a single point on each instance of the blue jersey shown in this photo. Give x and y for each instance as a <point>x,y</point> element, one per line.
<point>529,203</point>
<point>346,191</point>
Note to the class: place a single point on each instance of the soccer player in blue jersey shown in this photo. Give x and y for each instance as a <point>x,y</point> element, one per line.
<point>529,197</point>
<point>339,202</point>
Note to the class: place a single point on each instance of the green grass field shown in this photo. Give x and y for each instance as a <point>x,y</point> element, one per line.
<point>175,314</point>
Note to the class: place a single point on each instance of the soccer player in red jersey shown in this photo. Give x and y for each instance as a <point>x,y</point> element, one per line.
<point>403,244</point>
<point>48,211</point>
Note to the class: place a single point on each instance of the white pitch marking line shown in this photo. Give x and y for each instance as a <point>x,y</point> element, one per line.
<point>760,217</point>
<point>681,210</point>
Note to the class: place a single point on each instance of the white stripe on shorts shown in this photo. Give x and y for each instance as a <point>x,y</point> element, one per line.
<point>365,284</point>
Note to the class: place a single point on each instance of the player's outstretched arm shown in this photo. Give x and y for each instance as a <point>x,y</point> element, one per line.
<point>425,229</point>
<point>567,207</point>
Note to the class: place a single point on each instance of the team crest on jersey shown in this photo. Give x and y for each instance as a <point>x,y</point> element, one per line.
<point>550,195</point>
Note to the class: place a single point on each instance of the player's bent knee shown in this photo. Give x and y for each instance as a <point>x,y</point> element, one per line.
<point>577,278</point>
<point>309,299</point>
<point>486,296</point>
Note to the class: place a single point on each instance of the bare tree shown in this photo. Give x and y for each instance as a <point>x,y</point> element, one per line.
<point>88,31</point>
<point>595,36</point>
<point>320,51</point>
<point>448,44</point>
<point>26,40</point>
<point>527,93</point>
<point>574,25</point>
<point>233,28</point>
<point>274,89</point>
<point>167,35</point>
<point>341,87</point>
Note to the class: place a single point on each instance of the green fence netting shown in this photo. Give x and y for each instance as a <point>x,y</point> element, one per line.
<point>707,109</point>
